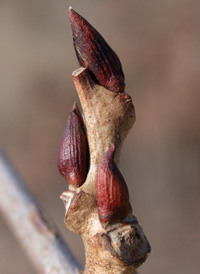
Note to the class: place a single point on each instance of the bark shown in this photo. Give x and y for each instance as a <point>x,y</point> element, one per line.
<point>120,247</point>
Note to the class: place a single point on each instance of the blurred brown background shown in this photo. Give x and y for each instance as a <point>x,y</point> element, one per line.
<point>158,43</point>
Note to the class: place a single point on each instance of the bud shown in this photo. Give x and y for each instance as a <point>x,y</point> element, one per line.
<point>112,192</point>
<point>95,54</point>
<point>73,154</point>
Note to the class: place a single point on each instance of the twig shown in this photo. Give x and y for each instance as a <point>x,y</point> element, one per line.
<point>40,239</point>
<point>97,203</point>
<point>118,248</point>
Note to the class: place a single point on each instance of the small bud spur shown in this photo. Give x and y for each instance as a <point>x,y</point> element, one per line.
<point>73,154</point>
<point>112,192</point>
<point>95,54</point>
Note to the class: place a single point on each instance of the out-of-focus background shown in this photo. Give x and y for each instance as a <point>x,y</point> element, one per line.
<point>158,43</point>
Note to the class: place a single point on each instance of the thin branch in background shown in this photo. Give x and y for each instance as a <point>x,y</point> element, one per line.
<point>37,235</point>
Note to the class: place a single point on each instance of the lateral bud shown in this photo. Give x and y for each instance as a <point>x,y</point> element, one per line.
<point>94,53</point>
<point>73,154</point>
<point>112,192</point>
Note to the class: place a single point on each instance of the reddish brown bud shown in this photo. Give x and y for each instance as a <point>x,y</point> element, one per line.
<point>73,154</point>
<point>112,192</point>
<point>95,54</point>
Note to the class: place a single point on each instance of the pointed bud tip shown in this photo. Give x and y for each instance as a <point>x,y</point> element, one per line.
<point>74,107</point>
<point>75,110</point>
<point>94,53</point>
<point>72,15</point>
<point>71,11</point>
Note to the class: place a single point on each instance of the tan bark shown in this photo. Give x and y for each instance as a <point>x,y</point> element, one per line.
<point>118,248</point>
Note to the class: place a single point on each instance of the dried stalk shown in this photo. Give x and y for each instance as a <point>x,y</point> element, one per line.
<point>37,235</point>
